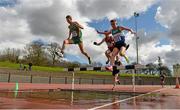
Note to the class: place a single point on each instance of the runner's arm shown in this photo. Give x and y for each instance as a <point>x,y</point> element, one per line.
<point>78,25</point>
<point>103,32</point>
<point>127,29</point>
<point>101,42</point>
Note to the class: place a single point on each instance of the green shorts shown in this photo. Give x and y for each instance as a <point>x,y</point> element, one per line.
<point>76,40</point>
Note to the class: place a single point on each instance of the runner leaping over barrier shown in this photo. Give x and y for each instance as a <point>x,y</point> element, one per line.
<point>127,67</point>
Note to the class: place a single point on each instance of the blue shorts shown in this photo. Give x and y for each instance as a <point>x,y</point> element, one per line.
<point>120,44</point>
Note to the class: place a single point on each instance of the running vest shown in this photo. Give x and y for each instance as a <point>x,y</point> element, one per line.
<point>117,35</point>
<point>74,30</point>
<point>109,41</point>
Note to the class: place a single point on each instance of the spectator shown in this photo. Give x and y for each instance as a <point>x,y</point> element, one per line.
<point>30,66</point>
<point>21,66</point>
<point>162,78</point>
<point>25,68</point>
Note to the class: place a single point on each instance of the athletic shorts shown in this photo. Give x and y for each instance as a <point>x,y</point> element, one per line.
<point>109,50</point>
<point>115,71</point>
<point>119,45</point>
<point>76,40</point>
<point>162,78</point>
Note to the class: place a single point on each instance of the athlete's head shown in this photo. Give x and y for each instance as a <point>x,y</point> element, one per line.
<point>113,23</point>
<point>69,19</point>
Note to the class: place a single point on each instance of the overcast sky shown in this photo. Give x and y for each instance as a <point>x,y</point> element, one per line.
<point>22,21</point>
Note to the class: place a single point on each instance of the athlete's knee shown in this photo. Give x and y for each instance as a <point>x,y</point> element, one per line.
<point>66,41</point>
<point>83,52</point>
<point>113,55</point>
<point>122,53</point>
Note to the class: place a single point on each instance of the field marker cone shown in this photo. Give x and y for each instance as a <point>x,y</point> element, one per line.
<point>177,83</point>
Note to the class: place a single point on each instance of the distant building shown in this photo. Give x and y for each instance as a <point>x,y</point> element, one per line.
<point>176,70</point>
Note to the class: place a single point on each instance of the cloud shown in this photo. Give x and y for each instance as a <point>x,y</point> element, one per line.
<point>97,9</point>
<point>149,47</point>
<point>45,19</point>
<point>168,15</point>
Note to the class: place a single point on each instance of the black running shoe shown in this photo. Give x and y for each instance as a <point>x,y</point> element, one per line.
<point>118,82</point>
<point>127,46</point>
<point>107,61</point>
<point>89,59</point>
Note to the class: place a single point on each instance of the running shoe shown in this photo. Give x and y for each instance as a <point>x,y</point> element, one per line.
<point>89,59</point>
<point>127,46</point>
<point>107,61</point>
<point>59,54</point>
<point>126,58</point>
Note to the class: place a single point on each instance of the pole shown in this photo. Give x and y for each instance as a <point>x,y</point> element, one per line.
<point>72,80</point>
<point>133,80</point>
<point>137,52</point>
<point>72,97</point>
<point>160,65</point>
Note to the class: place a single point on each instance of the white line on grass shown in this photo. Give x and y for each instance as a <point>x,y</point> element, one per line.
<point>108,104</point>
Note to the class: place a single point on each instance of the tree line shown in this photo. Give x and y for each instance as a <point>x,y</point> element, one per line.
<point>41,54</point>
<point>38,54</point>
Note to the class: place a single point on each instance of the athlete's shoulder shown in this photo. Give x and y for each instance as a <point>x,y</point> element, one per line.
<point>75,22</point>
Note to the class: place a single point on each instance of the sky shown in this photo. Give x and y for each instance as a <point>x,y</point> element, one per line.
<point>23,21</point>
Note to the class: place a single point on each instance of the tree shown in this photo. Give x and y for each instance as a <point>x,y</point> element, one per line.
<point>52,49</point>
<point>35,53</point>
<point>152,68</point>
<point>166,70</point>
<point>11,54</point>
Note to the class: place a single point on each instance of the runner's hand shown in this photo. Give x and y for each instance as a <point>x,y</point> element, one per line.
<point>95,43</point>
<point>97,31</point>
<point>132,32</point>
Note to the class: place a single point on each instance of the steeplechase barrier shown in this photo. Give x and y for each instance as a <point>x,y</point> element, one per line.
<point>126,67</point>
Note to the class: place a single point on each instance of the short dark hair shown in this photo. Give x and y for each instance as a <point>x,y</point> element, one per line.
<point>113,20</point>
<point>69,16</point>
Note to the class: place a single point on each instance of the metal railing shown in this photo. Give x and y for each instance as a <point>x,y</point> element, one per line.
<point>10,77</point>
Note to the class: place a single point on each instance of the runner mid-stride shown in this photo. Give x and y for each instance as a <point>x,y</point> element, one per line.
<point>75,32</point>
<point>120,45</point>
<point>110,44</point>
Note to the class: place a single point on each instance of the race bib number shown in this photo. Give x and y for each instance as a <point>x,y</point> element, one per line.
<point>74,34</point>
<point>117,37</point>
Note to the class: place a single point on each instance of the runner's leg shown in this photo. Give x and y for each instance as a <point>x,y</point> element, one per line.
<point>81,47</point>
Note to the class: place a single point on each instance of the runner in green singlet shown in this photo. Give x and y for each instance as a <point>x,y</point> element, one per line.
<point>75,32</point>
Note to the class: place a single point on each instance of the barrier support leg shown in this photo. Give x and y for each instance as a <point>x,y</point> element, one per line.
<point>72,81</point>
<point>133,80</point>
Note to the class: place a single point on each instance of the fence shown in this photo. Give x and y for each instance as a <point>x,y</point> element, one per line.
<point>25,78</point>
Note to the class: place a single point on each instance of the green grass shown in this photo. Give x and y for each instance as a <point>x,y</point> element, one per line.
<point>35,68</point>
<point>7,64</point>
<point>60,69</point>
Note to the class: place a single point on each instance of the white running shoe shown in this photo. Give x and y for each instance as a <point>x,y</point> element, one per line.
<point>59,54</point>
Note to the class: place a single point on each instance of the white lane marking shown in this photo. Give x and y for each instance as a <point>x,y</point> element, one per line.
<point>98,107</point>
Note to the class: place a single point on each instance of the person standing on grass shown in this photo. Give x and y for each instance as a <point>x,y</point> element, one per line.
<point>30,66</point>
<point>162,78</point>
<point>76,34</point>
